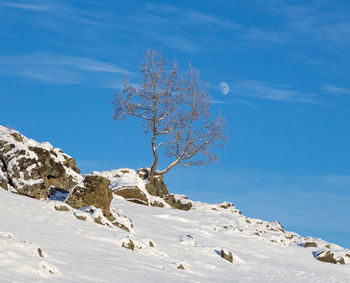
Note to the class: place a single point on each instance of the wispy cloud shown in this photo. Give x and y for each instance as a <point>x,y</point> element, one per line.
<point>234,101</point>
<point>270,91</point>
<point>59,69</point>
<point>32,7</point>
<point>194,16</point>
<point>335,89</point>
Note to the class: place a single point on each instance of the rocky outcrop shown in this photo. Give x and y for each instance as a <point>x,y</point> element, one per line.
<point>328,256</point>
<point>157,187</point>
<point>310,244</point>
<point>132,193</point>
<point>134,186</point>
<point>93,191</point>
<point>32,169</point>
<point>178,202</point>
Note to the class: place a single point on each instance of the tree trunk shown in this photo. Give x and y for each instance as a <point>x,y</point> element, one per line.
<point>156,160</point>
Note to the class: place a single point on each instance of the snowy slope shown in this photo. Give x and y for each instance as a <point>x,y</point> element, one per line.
<point>40,244</point>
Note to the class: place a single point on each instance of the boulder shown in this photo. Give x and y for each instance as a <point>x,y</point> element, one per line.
<point>132,193</point>
<point>133,186</point>
<point>177,203</point>
<point>93,191</point>
<point>310,244</point>
<point>226,255</point>
<point>32,169</point>
<point>181,267</point>
<point>157,187</point>
<point>129,244</point>
<point>328,256</point>
<point>4,180</point>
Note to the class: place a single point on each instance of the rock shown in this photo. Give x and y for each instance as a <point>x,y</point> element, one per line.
<point>151,244</point>
<point>226,255</point>
<point>132,193</point>
<point>80,217</point>
<point>98,220</point>
<point>157,187</point>
<point>133,186</point>
<point>181,267</point>
<point>40,252</point>
<point>4,180</point>
<point>62,208</point>
<point>226,205</point>
<point>95,191</point>
<point>143,173</point>
<point>328,256</point>
<point>310,244</point>
<point>177,203</point>
<point>157,203</point>
<point>32,169</point>
<point>123,222</point>
<point>129,245</point>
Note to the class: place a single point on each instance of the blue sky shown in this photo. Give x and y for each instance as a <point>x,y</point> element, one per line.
<point>286,64</point>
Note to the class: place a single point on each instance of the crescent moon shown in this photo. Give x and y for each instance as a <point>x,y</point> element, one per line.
<point>224,88</point>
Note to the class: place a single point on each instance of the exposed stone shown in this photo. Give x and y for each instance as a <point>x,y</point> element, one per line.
<point>98,220</point>
<point>228,256</point>
<point>157,187</point>
<point>310,244</point>
<point>151,244</point>
<point>157,204</point>
<point>129,245</point>
<point>31,168</point>
<point>181,267</point>
<point>122,222</point>
<point>226,205</point>
<point>143,173</point>
<point>176,203</point>
<point>328,256</point>
<point>132,193</point>
<point>62,208</point>
<point>40,252</point>
<point>93,191</point>
<point>4,182</point>
<point>80,217</point>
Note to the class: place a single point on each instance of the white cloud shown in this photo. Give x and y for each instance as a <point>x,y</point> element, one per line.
<point>270,91</point>
<point>33,7</point>
<point>335,89</point>
<point>60,69</point>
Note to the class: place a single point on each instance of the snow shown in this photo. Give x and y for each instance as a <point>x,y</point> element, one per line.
<point>73,250</point>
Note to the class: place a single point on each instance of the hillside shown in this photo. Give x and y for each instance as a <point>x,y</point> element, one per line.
<point>58,225</point>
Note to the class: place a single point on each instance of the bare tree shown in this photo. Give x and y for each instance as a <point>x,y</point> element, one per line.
<point>175,109</point>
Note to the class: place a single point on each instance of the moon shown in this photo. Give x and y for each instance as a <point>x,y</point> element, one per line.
<point>224,88</point>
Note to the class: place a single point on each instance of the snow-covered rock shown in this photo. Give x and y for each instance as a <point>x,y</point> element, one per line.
<point>133,186</point>
<point>31,168</point>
